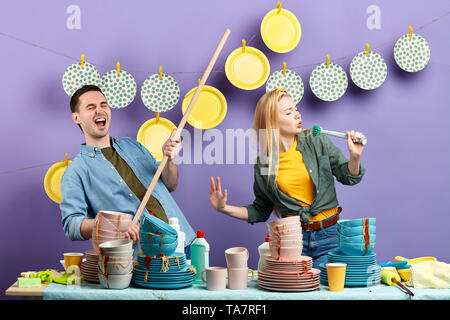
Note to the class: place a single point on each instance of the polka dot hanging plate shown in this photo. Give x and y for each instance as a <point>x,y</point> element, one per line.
<point>119,89</point>
<point>290,81</point>
<point>413,54</point>
<point>77,76</point>
<point>328,84</point>
<point>160,95</point>
<point>368,71</point>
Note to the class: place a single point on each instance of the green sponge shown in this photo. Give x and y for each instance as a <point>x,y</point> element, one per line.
<point>29,282</point>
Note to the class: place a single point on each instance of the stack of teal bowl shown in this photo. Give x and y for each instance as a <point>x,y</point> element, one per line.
<point>159,266</point>
<point>362,269</point>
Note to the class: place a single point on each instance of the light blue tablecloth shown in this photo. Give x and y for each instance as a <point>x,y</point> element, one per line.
<point>91,291</point>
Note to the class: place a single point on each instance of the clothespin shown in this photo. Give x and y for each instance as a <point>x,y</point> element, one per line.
<point>367,49</point>
<point>82,60</point>
<point>118,67</point>
<point>243,46</point>
<point>284,67</point>
<point>66,162</point>
<point>410,31</point>
<point>279,4</point>
<point>157,117</point>
<point>160,72</point>
<point>328,61</point>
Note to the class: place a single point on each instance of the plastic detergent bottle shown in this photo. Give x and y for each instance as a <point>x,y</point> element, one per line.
<point>173,222</point>
<point>199,255</point>
<point>263,250</point>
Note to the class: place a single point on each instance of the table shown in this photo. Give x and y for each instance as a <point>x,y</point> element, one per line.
<point>92,291</point>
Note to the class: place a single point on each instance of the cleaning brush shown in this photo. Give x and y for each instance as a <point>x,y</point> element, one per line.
<point>318,130</point>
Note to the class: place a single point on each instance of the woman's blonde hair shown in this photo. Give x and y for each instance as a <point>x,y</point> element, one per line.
<point>265,125</point>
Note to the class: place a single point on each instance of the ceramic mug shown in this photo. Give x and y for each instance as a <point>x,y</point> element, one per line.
<point>238,278</point>
<point>237,257</point>
<point>216,278</point>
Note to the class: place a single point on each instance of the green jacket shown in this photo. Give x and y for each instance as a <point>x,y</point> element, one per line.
<point>323,160</point>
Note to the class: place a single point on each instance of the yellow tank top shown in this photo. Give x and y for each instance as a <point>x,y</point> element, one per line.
<point>293,180</point>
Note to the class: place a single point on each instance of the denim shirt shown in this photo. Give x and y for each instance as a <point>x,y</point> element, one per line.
<point>323,160</point>
<point>91,184</point>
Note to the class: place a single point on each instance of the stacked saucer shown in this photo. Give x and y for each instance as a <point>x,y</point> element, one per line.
<point>89,268</point>
<point>163,272</point>
<point>361,271</point>
<point>289,275</point>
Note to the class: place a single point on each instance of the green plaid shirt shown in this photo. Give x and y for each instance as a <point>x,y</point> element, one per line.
<point>323,160</point>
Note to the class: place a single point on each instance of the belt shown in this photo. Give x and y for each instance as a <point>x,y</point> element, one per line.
<point>322,224</point>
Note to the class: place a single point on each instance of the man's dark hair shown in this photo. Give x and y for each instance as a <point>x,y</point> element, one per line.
<point>76,97</point>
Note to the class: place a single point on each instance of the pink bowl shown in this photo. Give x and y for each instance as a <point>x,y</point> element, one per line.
<point>114,215</point>
<point>286,237</point>
<point>286,253</point>
<point>293,219</point>
<point>112,225</point>
<point>286,232</point>
<point>109,234</point>
<point>286,243</point>
<point>282,227</point>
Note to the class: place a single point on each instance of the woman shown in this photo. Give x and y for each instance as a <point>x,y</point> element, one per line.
<point>294,175</point>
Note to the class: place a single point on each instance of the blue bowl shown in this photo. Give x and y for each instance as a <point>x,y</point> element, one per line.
<point>155,225</point>
<point>355,222</point>
<point>154,249</point>
<point>352,249</point>
<point>149,237</point>
<point>354,231</point>
<point>356,239</point>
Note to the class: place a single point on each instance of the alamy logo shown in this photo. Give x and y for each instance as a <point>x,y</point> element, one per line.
<point>374,20</point>
<point>73,22</point>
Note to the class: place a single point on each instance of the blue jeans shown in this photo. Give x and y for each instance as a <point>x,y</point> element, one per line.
<point>317,244</point>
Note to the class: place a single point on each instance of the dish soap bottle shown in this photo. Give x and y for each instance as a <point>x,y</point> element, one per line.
<point>264,250</point>
<point>173,222</point>
<point>199,255</point>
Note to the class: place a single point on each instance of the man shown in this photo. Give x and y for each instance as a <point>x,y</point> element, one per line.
<point>113,174</point>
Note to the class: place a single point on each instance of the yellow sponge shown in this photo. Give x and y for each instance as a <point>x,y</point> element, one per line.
<point>387,275</point>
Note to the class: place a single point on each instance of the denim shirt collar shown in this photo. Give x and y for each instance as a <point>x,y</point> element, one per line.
<point>93,151</point>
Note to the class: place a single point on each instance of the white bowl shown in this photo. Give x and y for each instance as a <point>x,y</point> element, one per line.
<point>115,281</point>
<point>117,245</point>
<point>116,266</point>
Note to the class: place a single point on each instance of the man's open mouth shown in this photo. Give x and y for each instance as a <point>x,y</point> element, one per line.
<point>100,122</point>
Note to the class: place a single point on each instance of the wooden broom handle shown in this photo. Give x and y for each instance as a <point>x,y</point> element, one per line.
<point>181,125</point>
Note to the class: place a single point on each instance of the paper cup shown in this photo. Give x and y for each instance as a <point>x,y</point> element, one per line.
<point>216,278</point>
<point>73,258</point>
<point>336,276</point>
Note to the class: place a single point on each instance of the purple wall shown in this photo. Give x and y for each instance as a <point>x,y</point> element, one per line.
<point>406,120</point>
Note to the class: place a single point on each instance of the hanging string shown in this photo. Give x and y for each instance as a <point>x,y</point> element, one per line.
<point>188,72</point>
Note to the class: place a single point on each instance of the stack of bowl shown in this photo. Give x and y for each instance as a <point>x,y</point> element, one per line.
<point>356,237</point>
<point>110,226</point>
<point>285,238</point>
<point>157,237</point>
<point>115,263</point>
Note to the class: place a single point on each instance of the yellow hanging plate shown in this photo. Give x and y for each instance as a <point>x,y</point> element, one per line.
<point>52,180</point>
<point>209,110</point>
<point>247,68</point>
<point>152,135</point>
<point>281,32</point>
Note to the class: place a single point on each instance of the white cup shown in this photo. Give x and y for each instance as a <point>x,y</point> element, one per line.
<point>216,278</point>
<point>238,278</point>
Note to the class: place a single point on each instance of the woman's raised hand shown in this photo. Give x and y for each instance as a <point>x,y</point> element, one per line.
<point>354,147</point>
<point>217,199</point>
